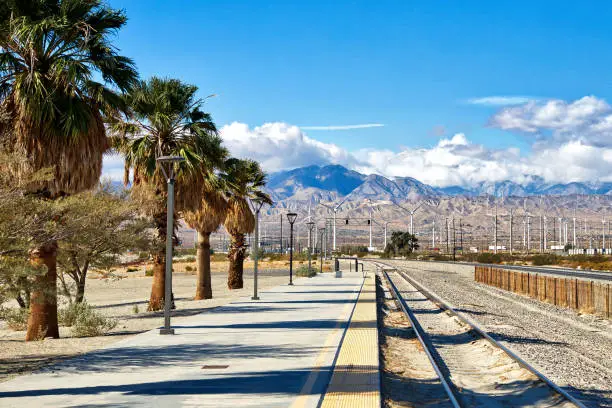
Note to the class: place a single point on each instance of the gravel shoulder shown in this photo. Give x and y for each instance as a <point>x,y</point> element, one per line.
<point>572,350</point>
<point>119,298</point>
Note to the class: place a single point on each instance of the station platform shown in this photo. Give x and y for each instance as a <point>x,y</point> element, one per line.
<point>308,345</point>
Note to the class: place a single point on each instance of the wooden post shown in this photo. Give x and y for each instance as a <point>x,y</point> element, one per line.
<point>576,293</point>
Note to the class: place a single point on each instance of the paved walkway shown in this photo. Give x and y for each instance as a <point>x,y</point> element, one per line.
<point>276,352</point>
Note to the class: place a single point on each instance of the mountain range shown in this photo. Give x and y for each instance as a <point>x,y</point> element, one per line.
<point>329,183</point>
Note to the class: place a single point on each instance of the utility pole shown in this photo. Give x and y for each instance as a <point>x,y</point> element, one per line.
<point>447,237</point>
<point>603,234</point>
<point>281,233</point>
<point>511,219</point>
<point>370,222</point>
<point>528,233</point>
<point>545,232</point>
<point>574,245</point>
<point>461,235</point>
<point>433,234</point>
<point>454,240</point>
<point>541,233</point>
<point>495,233</point>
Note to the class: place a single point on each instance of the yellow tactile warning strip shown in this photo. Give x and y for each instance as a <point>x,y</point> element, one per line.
<point>355,381</point>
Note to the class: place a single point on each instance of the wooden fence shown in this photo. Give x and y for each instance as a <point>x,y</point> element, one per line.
<point>584,296</point>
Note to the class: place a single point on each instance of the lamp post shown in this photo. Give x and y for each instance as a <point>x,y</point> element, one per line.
<point>310,225</point>
<point>291,218</point>
<point>257,203</point>
<point>322,232</point>
<point>166,164</point>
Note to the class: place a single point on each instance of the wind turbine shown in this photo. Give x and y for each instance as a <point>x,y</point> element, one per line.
<point>411,212</point>
<point>335,210</point>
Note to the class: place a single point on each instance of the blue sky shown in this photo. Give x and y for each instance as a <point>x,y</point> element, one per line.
<point>412,66</point>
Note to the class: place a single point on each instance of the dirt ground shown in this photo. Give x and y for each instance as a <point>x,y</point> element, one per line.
<point>124,297</point>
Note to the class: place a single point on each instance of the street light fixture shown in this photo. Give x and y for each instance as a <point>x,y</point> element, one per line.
<point>166,164</point>
<point>257,203</point>
<point>291,218</point>
<point>310,225</point>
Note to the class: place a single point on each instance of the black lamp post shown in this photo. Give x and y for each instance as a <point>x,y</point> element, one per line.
<point>257,203</point>
<point>310,226</point>
<point>322,232</point>
<point>291,218</point>
<point>166,163</point>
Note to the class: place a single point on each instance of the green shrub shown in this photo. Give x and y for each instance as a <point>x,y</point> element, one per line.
<point>132,269</point>
<point>185,251</point>
<point>545,259</point>
<point>303,271</point>
<point>149,272</point>
<point>189,268</point>
<point>488,257</point>
<point>16,318</point>
<point>85,321</point>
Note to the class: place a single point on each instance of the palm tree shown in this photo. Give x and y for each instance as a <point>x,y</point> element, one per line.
<point>206,220</point>
<point>166,119</point>
<point>245,180</point>
<point>51,54</point>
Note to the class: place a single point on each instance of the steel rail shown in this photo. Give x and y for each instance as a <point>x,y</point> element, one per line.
<point>444,305</point>
<point>418,330</point>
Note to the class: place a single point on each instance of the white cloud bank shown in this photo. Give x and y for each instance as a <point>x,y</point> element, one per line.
<point>588,119</point>
<point>573,144</point>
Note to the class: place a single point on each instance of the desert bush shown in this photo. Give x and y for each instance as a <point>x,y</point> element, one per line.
<point>135,309</point>
<point>185,251</point>
<point>149,272</point>
<point>545,259</point>
<point>85,321</point>
<point>303,271</point>
<point>189,268</point>
<point>132,269</point>
<point>488,257</point>
<point>16,318</point>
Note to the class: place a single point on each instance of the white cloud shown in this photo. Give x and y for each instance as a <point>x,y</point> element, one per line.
<point>452,161</point>
<point>280,146</point>
<point>500,100</point>
<point>343,127</point>
<point>588,119</point>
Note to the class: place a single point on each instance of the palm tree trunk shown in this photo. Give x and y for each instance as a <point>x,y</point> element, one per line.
<point>236,262</point>
<point>42,321</point>
<point>156,302</point>
<point>204,285</point>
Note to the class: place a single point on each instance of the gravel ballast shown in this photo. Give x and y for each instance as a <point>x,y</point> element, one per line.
<point>572,350</point>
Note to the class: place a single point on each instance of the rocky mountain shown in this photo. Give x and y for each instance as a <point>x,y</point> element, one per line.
<point>326,181</point>
<point>329,183</point>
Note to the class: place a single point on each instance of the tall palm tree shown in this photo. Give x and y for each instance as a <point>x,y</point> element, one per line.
<point>52,53</point>
<point>207,219</point>
<point>166,119</point>
<point>245,180</point>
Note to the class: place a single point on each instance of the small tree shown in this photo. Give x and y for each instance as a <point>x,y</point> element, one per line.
<point>104,226</point>
<point>401,244</point>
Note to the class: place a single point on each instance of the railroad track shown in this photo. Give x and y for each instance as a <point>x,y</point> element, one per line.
<point>472,367</point>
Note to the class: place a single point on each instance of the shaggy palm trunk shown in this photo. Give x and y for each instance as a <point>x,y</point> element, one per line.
<point>204,285</point>
<point>42,321</point>
<point>236,262</point>
<point>156,301</point>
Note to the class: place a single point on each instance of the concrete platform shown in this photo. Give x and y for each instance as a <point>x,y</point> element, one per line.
<point>275,352</point>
